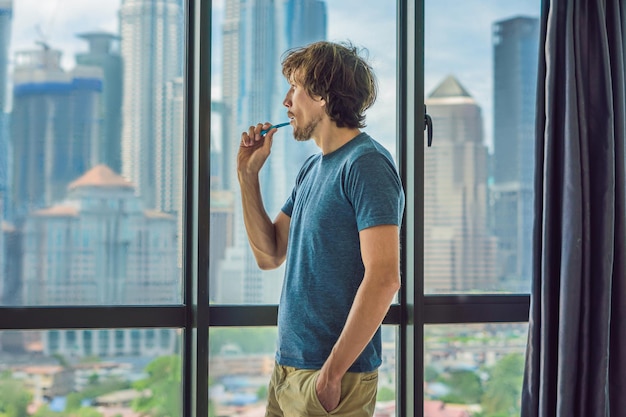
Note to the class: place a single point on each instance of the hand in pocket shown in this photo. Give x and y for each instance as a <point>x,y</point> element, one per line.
<point>328,394</point>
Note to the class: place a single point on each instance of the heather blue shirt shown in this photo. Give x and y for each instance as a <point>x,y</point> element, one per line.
<point>336,195</point>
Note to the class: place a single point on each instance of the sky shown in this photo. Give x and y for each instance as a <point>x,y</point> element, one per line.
<point>457,41</point>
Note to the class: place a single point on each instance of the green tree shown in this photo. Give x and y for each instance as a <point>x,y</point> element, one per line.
<point>93,379</point>
<point>62,360</point>
<point>430,373</point>
<point>103,387</point>
<point>86,412</point>
<point>261,393</point>
<point>14,398</point>
<point>164,383</point>
<point>385,394</point>
<point>465,387</point>
<point>44,411</point>
<point>73,401</point>
<point>249,340</point>
<point>503,389</point>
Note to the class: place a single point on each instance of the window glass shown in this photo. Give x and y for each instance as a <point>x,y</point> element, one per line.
<point>474,369</point>
<point>111,372</point>
<point>91,152</point>
<point>241,361</point>
<point>480,82</point>
<point>249,39</point>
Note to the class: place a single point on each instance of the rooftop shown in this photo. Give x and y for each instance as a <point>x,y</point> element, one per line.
<point>101,176</point>
<point>449,87</point>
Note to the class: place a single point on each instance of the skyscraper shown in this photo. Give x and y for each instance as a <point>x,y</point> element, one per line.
<point>104,53</point>
<point>6,17</point>
<point>55,128</point>
<point>151,48</point>
<point>515,53</point>
<point>459,251</point>
<point>255,35</point>
<point>100,246</point>
<point>307,22</point>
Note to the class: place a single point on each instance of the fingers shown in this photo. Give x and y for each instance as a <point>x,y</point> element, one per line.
<point>253,135</point>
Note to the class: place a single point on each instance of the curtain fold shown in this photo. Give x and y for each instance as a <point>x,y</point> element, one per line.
<point>576,354</point>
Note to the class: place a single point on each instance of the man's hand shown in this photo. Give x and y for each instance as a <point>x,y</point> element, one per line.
<point>329,393</point>
<point>254,149</point>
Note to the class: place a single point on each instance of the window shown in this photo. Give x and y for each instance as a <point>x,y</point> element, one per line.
<point>123,257</point>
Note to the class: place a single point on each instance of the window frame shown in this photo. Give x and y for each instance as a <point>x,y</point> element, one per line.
<point>413,310</point>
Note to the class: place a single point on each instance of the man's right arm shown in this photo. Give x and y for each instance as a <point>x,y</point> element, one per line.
<point>268,239</point>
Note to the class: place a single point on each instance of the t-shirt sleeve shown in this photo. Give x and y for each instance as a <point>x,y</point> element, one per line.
<point>288,206</point>
<point>375,191</point>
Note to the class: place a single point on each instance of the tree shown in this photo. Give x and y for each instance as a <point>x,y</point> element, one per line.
<point>465,387</point>
<point>430,373</point>
<point>73,401</point>
<point>503,389</point>
<point>86,412</point>
<point>261,393</point>
<point>164,384</point>
<point>62,360</point>
<point>249,340</point>
<point>14,398</point>
<point>385,394</point>
<point>44,411</point>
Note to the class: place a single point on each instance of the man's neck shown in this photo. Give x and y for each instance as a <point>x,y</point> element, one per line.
<point>330,138</point>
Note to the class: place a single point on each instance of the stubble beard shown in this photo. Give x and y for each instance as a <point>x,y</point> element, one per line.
<point>302,134</point>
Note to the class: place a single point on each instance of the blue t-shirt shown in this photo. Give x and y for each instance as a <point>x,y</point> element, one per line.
<point>336,195</point>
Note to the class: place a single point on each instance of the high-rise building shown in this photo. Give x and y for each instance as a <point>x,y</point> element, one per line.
<point>459,250</point>
<point>6,17</point>
<point>169,162</point>
<point>110,342</point>
<point>3,273</point>
<point>515,55</point>
<point>55,128</point>
<point>307,22</point>
<point>11,286</point>
<point>151,47</point>
<point>253,86</point>
<point>104,53</point>
<point>255,35</point>
<point>100,246</point>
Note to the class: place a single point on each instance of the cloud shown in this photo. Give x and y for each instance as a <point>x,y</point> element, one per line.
<point>58,21</point>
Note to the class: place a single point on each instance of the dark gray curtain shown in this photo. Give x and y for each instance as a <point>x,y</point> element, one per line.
<point>576,356</point>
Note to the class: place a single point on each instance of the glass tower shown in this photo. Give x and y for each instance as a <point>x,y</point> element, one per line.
<point>6,17</point>
<point>515,43</point>
<point>151,44</point>
<point>55,129</point>
<point>253,89</point>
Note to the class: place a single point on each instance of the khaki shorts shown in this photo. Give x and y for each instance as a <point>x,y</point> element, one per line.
<point>291,393</point>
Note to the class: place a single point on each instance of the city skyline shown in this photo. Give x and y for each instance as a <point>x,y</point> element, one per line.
<point>258,89</point>
<point>463,50</point>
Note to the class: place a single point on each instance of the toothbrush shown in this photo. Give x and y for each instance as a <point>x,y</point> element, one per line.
<point>264,131</point>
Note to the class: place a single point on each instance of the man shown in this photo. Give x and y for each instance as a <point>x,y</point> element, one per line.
<point>338,232</point>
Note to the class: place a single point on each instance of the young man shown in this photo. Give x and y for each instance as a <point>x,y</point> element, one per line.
<point>338,232</point>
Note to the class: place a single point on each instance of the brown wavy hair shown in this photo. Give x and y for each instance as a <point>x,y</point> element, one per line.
<point>339,74</point>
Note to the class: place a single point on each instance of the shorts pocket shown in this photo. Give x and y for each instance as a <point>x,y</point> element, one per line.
<point>358,394</point>
<point>298,397</point>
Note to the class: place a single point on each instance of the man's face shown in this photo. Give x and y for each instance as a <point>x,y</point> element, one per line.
<point>304,111</point>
